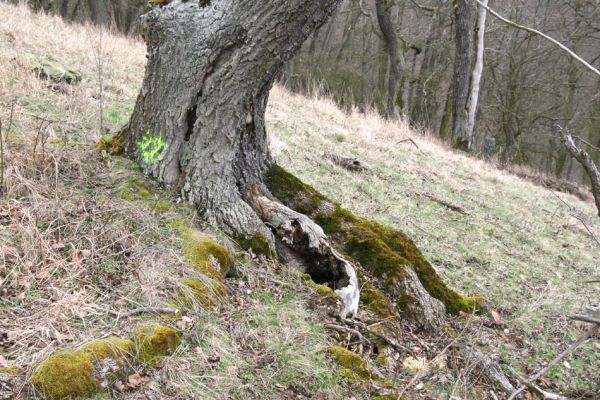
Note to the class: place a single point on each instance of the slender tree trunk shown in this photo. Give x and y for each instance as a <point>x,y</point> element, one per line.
<point>199,122</point>
<point>462,69</point>
<point>396,60</point>
<point>477,72</point>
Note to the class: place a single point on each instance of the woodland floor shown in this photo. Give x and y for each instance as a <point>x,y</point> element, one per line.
<point>82,235</point>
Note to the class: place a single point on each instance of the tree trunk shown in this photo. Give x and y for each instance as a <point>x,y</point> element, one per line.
<point>199,122</point>
<point>477,72</point>
<point>199,127</point>
<point>396,61</point>
<point>462,70</point>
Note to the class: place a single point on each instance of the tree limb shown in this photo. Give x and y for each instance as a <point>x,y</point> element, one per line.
<point>536,32</point>
<point>586,161</point>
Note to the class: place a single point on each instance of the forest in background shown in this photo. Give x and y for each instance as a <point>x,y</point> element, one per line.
<point>528,85</point>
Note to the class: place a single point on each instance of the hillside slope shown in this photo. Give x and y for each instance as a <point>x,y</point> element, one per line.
<point>84,236</point>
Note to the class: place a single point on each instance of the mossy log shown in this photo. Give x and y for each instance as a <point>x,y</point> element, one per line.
<point>386,254</point>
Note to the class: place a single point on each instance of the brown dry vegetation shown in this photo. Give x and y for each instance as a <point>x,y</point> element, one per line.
<point>84,235</point>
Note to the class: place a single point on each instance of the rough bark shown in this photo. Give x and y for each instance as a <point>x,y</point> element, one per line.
<point>200,113</point>
<point>462,70</point>
<point>586,162</point>
<point>199,127</point>
<point>396,60</point>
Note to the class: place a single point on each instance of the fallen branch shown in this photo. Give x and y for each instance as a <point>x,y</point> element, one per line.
<point>351,331</point>
<point>351,164</point>
<point>398,347</point>
<point>143,310</point>
<point>586,335</point>
<point>535,389</point>
<point>446,204</point>
<point>490,369</point>
<point>413,142</point>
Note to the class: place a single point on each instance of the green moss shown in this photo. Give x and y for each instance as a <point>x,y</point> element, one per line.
<point>70,374</point>
<point>127,194</point>
<point>200,251</point>
<point>382,251</point>
<point>153,342</point>
<point>179,225</point>
<point>10,371</point>
<point>114,145</point>
<point>382,360</point>
<point>287,188</point>
<point>112,347</point>
<point>374,299</point>
<point>324,290</point>
<point>207,292</point>
<point>355,368</point>
<point>66,375</point>
<point>162,206</point>
<point>257,243</point>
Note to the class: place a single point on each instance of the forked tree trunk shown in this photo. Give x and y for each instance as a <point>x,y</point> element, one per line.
<point>202,104</point>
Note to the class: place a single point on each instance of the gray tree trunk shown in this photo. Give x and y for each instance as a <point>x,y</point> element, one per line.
<point>462,72</point>
<point>199,122</point>
<point>476,76</point>
<point>396,60</point>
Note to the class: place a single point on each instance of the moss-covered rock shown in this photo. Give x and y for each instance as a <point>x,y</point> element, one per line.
<point>383,252</point>
<point>208,257</point>
<point>78,374</point>
<point>113,145</point>
<point>154,342</point>
<point>354,367</point>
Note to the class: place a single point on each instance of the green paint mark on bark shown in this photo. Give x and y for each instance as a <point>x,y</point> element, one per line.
<point>151,148</point>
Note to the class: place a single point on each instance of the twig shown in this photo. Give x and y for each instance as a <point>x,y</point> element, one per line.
<point>413,142</point>
<point>451,206</point>
<point>348,330</point>
<point>536,389</point>
<point>396,346</point>
<point>586,335</point>
<point>142,310</point>
<point>536,32</point>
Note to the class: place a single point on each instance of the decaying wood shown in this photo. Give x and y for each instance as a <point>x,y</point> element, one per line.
<point>490,369</point>
<point>586,162</point>
<point>308,241</point>
<point>351,164</point>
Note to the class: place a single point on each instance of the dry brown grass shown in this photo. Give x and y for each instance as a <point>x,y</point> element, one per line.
<point>76,242</point>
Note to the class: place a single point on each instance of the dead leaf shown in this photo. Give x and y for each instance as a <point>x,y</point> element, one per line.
<point>119,386</point>
<point>214,358</point>
<point>136,380</point>
<point>415,364</point>
<point>497,318</point>
<point>184,323</point>
<point>3,361</point>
